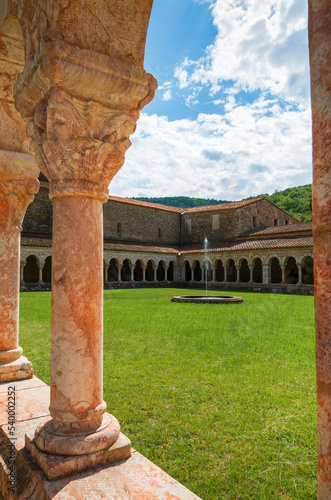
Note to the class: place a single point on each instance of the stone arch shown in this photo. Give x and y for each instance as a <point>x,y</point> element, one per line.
<point>31,269</point>
<point>275,271</point>
<point>197,271</point>
<point>187,271</point>
<point>160,271</point>
<point>171,271</point>
<point>219,270</point>
<point>207,270</point>
<point>244,271</point>
<point>126,270</point>
<point>113,270</point>
<point>149,273</point>
<point>47,270</point>
<point>231,271</point>
<point>138,272</point>
<point>291,270</point>
<point>308,270</point>
<point>257,273</point>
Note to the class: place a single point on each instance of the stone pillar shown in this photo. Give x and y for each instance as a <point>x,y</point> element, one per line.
<point>299,266</point>
<point>22,265</point>
<point>106,273</point>
<point>15,196</point>
<point>119,275</point>
<point>265,273</point>
<point>320,57</point>
<point>132,273</point>
<point>283,267</point>
<point>80,126</point>
<point>143,267</point>
<point>251,267</point>
<point>40,268</point>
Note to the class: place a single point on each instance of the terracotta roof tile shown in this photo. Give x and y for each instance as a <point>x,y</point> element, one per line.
<point>237,246</point>
<point>145,204</point>
<point>275,230</point>
<point>224,206</point>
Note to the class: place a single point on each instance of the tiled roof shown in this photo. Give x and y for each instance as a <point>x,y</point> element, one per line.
<point>276,230</point>
<point>237,246</point>
<point>223,206</point>
<point>145,204</point>
<point>44,241</point>
<point>35,241</point>
<point>136,247</point>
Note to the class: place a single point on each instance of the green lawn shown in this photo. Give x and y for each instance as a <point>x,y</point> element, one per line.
<point>222,397</point>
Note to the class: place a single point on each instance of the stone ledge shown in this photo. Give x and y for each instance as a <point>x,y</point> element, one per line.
<point>135,477</point>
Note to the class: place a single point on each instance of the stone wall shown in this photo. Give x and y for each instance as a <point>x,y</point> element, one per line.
<point>230,223</point>
<point>39,214</point>
<point>140,223</point>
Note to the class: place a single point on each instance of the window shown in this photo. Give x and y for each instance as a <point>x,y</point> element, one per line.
<point>160,232</point>
<point>276,222</point>
<point>215,222</point>
<point>254,221</point>
<point>119,228</point>
<point>286,222</point>
<point>188,226</point>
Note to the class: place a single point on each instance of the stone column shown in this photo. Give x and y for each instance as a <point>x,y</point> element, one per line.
<point>132,273</point>
<point>40,268</point>
<point>283,267</point>
<point>143,267</point>
<point>265,273</point>
<point>106,273</point>
<point>299,266</point>
<point>15,196</point>
<point>320,57</point>
<point>80,126</point>
<point>119,275</point>
<point>22,265</point>
<point>251,267</point>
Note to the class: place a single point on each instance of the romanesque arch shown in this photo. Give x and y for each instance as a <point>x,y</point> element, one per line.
<point>31,269</point>
<point>187,271</point>
<point>231,271</point>
<point>113,270</point>
<point>307,270</point>
<point>47,270</point>
<point>138,273</point>
<point>257,270</point>
<point>291,270</point>
<point>150,271</point>
<point>160,271</point>
<point>244,271</point>
<point>275,270</point>
<point>219,271</point>
<point>126,270</point>
<point>171,271</point>
<point>197,271</point>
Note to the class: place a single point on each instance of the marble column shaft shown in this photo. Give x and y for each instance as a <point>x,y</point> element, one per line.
<point>320,59</point>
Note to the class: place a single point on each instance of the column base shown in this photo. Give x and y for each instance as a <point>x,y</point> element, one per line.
<point>55,466</point>
<point>19,369</point>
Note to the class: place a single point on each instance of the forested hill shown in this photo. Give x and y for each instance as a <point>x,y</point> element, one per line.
<point>296,201</point>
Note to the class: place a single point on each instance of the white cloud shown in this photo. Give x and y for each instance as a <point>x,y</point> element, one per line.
<point>250,150</point>
<point>167,95</point>
<point>259,45</point>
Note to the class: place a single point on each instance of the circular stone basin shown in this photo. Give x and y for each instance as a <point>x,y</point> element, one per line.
<point>210,299</point>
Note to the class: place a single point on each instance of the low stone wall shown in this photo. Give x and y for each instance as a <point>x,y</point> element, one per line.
<point>245,287</point>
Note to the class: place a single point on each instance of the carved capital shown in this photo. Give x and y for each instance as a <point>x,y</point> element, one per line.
<point>15,196</point>
<point>83,106</point>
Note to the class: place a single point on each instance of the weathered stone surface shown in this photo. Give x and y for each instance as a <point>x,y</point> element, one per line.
<point>56,466</point>
<point>15,195</point>
<point>320,59</point>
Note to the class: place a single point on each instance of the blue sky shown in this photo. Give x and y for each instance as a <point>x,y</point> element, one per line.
<point>231,116</point>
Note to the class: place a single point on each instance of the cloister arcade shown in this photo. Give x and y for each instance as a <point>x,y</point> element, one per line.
<point>152,269</point>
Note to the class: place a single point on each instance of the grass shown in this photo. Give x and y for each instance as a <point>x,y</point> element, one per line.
<point>220,397</point>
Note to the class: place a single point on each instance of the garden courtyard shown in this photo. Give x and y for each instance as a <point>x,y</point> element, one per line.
<point>221,397</point>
